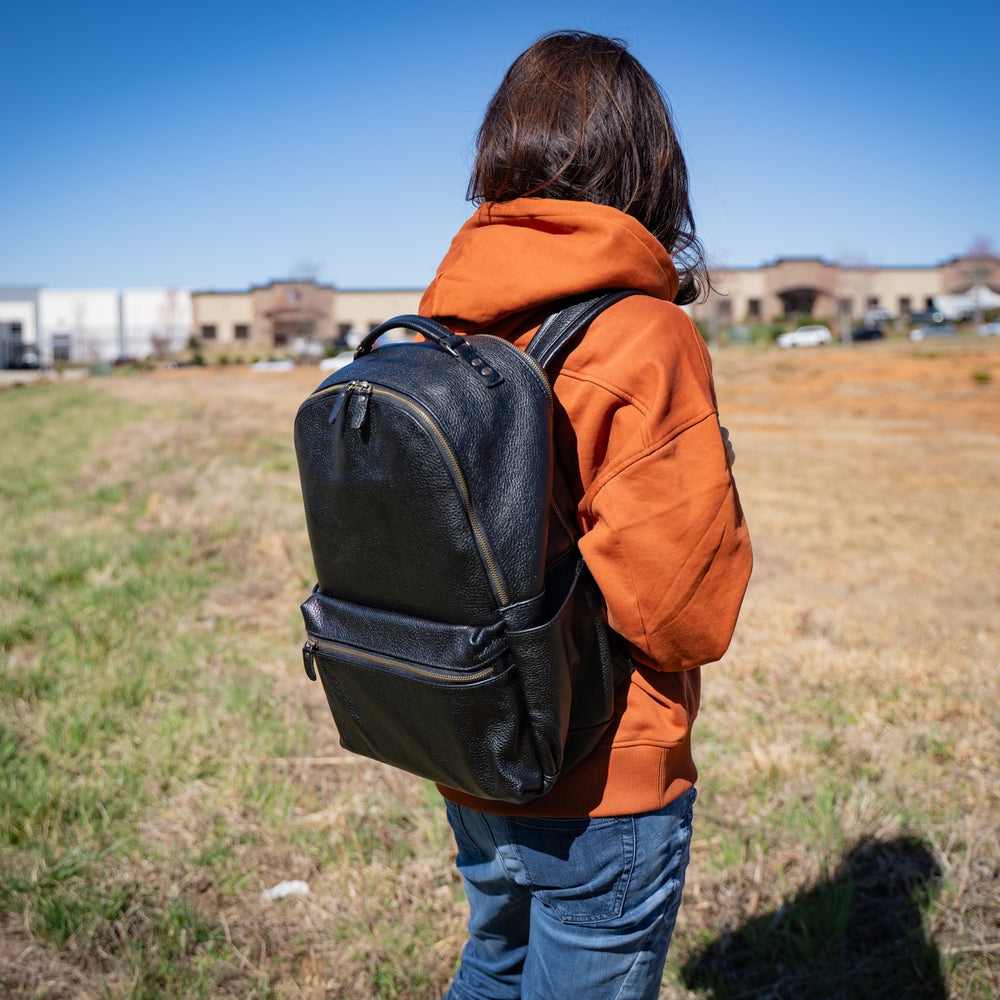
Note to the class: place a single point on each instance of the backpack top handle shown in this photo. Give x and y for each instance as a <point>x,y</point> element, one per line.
<point>550,338</point>
<point>454,343</point>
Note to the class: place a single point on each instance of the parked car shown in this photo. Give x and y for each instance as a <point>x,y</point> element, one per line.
<point>273,365</point>
<point>927,316</point>
<point>337,361</point>
<point>988,329</point>
<point>805,336</point>
<point>866,333</point>
<point>932,330</point>
<point>873,317</point>
<point>29,359</point>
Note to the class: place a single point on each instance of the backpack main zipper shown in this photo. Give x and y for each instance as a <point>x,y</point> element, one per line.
<point>357,415</point>
<point>367,389</point>
<point>482,542</point>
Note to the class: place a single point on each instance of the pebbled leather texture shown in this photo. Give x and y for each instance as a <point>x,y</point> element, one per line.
<point>444,643</point>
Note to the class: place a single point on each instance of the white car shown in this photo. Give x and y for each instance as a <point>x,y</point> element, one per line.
<point>272,365</point>
<point>336,362</point>
<point>988,330</point>
<point>805,336</point>
<point>933,330</point>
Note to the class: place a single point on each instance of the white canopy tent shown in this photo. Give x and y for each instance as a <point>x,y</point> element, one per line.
<point>967,303</point>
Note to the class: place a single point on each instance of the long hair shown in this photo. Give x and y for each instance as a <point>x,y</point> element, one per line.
<point>577,117</point>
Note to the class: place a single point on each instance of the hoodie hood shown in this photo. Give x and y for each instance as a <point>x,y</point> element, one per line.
<point>518,256</point>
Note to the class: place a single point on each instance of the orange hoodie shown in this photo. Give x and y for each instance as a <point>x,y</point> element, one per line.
<point>662,528</point>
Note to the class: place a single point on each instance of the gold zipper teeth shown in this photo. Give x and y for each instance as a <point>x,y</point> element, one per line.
<point>319,393</point>
<point>386,661</point>
<point>563,522</point>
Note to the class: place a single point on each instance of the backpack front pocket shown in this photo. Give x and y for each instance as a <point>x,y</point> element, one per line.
<point>423,696</point>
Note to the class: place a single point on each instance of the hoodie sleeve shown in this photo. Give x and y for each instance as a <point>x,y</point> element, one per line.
<point>670,550</point>
<point>664,533</point>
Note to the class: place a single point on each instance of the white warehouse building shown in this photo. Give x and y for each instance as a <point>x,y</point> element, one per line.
<point>91,325</point>
<point>19,327</point>
<point>79,325</point>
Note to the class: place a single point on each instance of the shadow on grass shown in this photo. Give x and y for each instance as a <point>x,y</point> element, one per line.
<point>857,936</point>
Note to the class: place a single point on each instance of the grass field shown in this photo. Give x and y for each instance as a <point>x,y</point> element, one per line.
<point>164,760</point>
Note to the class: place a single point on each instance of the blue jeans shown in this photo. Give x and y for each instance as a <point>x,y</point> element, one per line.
<point>578,908</point>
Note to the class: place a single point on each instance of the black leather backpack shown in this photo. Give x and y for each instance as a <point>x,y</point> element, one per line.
<point>449,639</point>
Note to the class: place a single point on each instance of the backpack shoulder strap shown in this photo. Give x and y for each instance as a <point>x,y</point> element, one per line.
<point>559,328</point>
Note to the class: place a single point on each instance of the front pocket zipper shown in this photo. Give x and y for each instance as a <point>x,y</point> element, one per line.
<point>345,651</point>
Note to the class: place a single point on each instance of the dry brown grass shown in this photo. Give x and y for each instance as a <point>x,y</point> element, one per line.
<point>858,705</point>
<point>866,661</point>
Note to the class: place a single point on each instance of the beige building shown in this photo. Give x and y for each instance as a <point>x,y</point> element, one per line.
<point>809,286</point>
<point>294,313</point>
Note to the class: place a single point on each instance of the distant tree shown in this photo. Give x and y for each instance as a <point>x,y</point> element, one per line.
<point>981,247</point>
<point>161,343</point>
<point>977,264</point>
<point>851,291</point>
<point>168,317</point>
<point>306,270</point>
<point>720,306</point>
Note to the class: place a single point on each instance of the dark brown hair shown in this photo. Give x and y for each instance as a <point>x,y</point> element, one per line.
<point>577,117</point>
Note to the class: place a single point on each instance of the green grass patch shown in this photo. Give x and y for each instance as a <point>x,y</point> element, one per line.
<point>115,700</point>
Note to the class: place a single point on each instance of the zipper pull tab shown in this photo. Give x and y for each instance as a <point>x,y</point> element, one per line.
<point>341,400</point>
<point>307,659</point>
<point>357,409</point>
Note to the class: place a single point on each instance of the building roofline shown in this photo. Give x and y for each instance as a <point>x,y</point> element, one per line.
<point>300,281</point>
<point>846,266</point>
<point>386,288</point>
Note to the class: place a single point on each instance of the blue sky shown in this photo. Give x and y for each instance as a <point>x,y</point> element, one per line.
<point>219,145</point>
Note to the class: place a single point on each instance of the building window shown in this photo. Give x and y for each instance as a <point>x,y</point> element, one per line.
<point>904,305</point>
<point>753,309</point>
<point>798,301</point>
<point>61,347</point>
<point>371,326</point>
<point>208,332</point>
<point>242,331</point>
<point>873,302</point>
<point>12,349</point>
<point>845,306</point>
<point>929,303</point>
